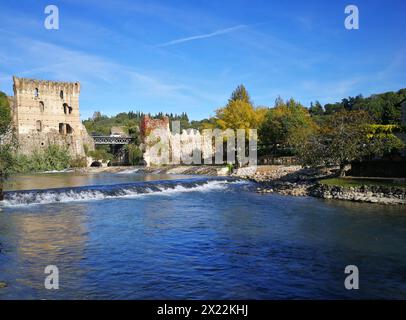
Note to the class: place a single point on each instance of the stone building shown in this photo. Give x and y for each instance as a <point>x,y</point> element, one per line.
<point>118,131</point>
<point>47,112</point>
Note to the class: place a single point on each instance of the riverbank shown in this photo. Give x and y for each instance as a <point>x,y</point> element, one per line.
<point>286,180</point>
<point>297,181</point>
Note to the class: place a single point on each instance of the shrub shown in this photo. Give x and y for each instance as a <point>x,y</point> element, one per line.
<point>134,154</point>
<point>53,157</point>
<point>79,162</point>
<point>101,154</point>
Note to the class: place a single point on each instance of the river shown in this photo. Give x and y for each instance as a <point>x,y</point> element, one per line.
<point>137,236</point>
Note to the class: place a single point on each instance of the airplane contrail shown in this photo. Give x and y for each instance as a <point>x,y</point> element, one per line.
<point>202,36</point>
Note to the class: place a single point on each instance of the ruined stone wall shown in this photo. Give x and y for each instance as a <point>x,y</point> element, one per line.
<point>47,112</point>
<point>154,131</point>
<point>148,125</point>
<point>160,144</point>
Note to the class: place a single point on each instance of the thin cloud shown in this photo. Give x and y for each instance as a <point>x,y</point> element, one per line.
<point>202,36</point>
<point>61,63</point>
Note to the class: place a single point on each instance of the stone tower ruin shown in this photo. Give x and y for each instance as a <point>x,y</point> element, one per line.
<point>47,112</point>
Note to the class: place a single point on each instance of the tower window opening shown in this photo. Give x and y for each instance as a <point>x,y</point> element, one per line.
<point>62,128</point>
<point>69,129</point>
<point>61,94</point>
<point>36,92</point>
<point>39,125</point>
<point>41,106</point>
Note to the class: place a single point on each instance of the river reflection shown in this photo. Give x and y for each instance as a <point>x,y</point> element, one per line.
<point>76,179</point>
<point>41,238</point>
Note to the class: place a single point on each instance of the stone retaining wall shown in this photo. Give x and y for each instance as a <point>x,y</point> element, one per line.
<point>373,194</point>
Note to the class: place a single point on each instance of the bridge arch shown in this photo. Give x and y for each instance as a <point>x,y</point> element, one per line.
<point>96,164</point>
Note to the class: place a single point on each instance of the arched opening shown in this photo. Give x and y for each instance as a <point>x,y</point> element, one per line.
<point>65,128</point>
<point>67,109</point>
<point>41,106</point>
<point>96,164</point>
<point>36,92</point>
<point>62,128</point>
<point>39,125</point>
<point>61,94</point>
<point>69,129</point>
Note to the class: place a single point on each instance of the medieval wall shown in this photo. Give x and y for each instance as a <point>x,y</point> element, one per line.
<point>47,112</point>
<point>154,131</point>
<point>185,147</point>
<point>148,125</point>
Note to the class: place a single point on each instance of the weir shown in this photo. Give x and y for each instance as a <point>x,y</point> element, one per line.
<point>103,192</point>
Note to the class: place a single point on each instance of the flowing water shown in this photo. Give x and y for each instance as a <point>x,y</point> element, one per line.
<point>134,236</point>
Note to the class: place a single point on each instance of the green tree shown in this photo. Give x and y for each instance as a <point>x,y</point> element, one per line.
<point>331,108</point>
<point>279,102</point>
<point>210,123</point>
<point>5,114</point>
<point>6,144</point>
<point>384,108</point>
<point>346,136</point>
<point>101,153</point>
<point>134,154</point>
<point>286,124</point>
<point>383,140</point>
<point>316,109</point>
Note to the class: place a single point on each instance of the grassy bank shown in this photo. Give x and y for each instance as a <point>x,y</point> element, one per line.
<point>353,182</point>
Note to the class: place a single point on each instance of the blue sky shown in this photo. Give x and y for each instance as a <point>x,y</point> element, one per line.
<point>176,56</point>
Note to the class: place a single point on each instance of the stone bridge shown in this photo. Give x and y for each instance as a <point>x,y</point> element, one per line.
<point>111,140</point>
